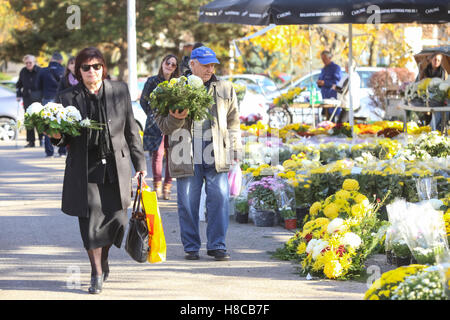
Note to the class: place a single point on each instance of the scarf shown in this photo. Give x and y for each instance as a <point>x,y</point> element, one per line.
<point>98,139</point>
<point>72,80</point>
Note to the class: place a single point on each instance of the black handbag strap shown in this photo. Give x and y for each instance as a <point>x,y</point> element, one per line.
<point>138,196</point>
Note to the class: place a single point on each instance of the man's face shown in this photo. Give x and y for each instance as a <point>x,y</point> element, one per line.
<point>325,59</point>
<point>29,64</point>
<point>203,71</point>
<point>436,61</point>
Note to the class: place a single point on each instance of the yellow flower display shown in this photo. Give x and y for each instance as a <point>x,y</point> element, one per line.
<point>382,288</point>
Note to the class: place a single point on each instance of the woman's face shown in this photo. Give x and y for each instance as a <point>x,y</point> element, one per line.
<point>71,66</point>
<point>169,66</point>
<point>91,75</point>
<point>436,61</point>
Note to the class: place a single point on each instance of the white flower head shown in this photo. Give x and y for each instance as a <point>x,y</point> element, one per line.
<point>73,113</point>
<point>335,225</point>
<point>54,107</point>
<point>195,81</point>
<point>320,245</point>
<point>61,114</point>
<point>85,123</point>
<point>34,108</point>
<point>351,239</point>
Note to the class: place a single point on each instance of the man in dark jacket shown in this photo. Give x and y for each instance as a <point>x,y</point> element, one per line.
<point>329,76</point>
<point>47,81</point>
<point>26,90</point>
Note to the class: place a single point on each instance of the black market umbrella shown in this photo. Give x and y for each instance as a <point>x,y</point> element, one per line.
<point>422,58</point>
<point>285,12</point>
<point>307,12</point>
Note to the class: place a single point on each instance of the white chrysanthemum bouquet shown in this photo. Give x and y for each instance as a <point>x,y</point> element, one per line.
<point>55,118</point>
<point>180,94</point>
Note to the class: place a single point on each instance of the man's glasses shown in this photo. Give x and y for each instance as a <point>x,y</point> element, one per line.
<point>87,67</point>
<point>171,64</point>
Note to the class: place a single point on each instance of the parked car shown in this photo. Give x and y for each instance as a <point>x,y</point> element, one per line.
<point>259,88</point>
<point>309,81</point>
<point>139,114</point>
<point>10,112</point>
<point>254,82</point>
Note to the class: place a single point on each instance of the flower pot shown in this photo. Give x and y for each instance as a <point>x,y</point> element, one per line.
<point>290,223</point>
<point>301,213</point>
<point>241,217</point>
<point>400,261</point>
<point>264,218</point>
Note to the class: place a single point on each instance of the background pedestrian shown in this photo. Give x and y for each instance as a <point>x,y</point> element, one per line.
<point>154,141</point>
<point>27,90</point>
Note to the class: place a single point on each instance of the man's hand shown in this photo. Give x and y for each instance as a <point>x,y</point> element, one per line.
<point>320,83</point>
<point>54,135</point>
<point>179,115</point>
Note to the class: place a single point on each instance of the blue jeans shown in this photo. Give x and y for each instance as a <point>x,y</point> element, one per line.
<point>49,150</point>
<point>188,197</point>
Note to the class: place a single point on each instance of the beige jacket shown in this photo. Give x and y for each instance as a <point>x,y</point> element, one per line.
<point>225,130</point>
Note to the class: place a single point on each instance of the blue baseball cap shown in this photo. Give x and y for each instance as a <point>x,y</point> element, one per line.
<point>204,55</point>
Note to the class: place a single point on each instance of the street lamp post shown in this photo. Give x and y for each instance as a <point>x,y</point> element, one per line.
<point>131,40</point>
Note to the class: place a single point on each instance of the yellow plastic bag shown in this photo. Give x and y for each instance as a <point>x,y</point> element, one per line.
<point>157,241</point>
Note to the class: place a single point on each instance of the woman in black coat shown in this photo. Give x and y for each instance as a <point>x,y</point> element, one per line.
<point>97,185</point>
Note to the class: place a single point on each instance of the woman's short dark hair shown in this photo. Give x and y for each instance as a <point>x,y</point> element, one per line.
<point>84,56</point>
<point>175,73</point>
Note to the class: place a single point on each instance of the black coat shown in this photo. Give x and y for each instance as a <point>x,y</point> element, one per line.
<point>126,144</point>
<point>27,86</point>
<point>48,79</point>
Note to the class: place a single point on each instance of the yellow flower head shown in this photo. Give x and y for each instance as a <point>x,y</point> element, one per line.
<point>331,211</point>
<point>343,194</point>
<point>333,269</point>
<point>361,198</point>
<point>301,249</point>
<point>350,185</point>
<point>358,210</point>
<point>315,207</point>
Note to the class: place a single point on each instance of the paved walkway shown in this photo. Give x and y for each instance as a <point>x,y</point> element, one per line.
<point>42,256</point>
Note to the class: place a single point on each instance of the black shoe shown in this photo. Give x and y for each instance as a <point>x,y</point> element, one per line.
<point>192,255</point>
<point>219,254</point>
<point>96,284</point>
<point>105,268</point>
<point>30,145</point>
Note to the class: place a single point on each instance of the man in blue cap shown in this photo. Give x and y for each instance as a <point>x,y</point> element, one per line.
<point>207,150</point>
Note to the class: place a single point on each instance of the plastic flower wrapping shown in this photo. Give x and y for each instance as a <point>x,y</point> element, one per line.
<point>180,94</point>
<point>422,229</point>
<point>55,118</point>
<point>429,91</point>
